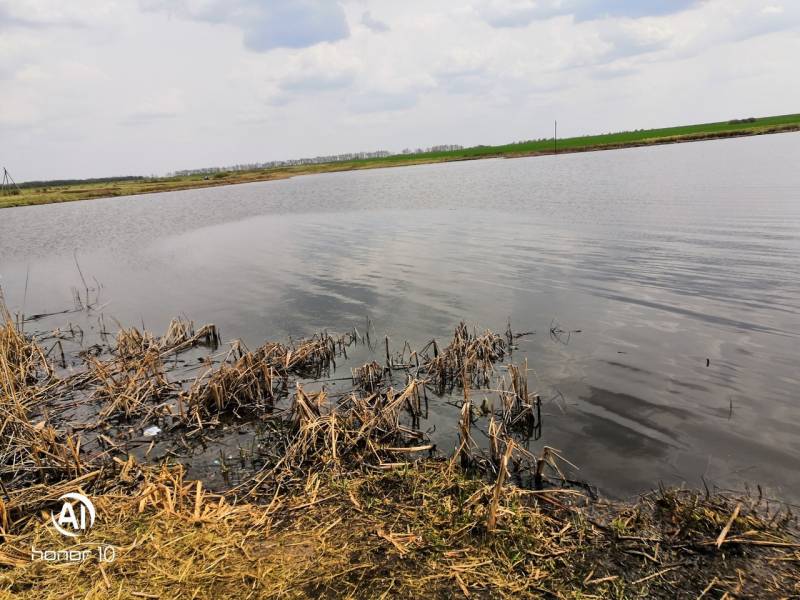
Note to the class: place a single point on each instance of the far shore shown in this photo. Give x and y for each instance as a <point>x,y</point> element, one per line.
<point>54,192</point>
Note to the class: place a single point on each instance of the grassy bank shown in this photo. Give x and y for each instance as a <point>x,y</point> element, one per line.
<point>344,496</point>
<point>45,194</point>
<point>414,532</point>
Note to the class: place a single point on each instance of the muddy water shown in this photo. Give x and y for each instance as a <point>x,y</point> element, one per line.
<point>676,267</point>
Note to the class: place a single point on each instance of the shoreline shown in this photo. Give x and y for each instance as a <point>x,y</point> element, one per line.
<point>77,192</point>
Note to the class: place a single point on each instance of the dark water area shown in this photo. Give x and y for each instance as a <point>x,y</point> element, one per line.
<point>679,265</point>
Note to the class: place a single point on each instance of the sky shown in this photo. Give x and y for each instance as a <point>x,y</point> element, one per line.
<point>92,88</point>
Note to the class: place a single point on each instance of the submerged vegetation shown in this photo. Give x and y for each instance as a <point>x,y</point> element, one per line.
<point>344,495</point>
<point>65,191</point>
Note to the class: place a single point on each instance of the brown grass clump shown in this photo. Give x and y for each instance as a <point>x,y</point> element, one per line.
<point>251,382</point>
<point>469,358</point>
<point>22,362</point>
<point>180,335</point>
<point>310,358</point>
<point>248,384</point>
<point>129,386</point>
<point>368,376</point>
<point>130,379</point>
<point>30,448</point>
<point>357,432</point>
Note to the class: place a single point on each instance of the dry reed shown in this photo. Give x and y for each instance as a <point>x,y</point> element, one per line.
<point>353,501</point>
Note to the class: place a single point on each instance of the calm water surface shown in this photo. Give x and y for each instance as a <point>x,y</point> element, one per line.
<point>662,258</point>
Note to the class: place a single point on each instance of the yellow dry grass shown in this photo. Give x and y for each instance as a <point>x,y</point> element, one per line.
<point>422,531</point>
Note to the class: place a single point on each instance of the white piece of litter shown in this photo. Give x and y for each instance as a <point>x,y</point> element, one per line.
<point>152,431</point>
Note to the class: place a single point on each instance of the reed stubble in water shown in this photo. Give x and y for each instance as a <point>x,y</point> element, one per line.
<point>351,500</point>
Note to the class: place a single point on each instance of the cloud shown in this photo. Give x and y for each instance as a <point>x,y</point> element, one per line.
<point>772,9</point>
<point>373,24</point>
<point>167,105</point>
<point>768,19</point>
<point>40,14</point>
<point>266,25</point>
<point>425,81</point>
<point>19,115</point>
<point>464,82</point>
<point>10,18</point>
<point>317,82</point>
<point>521,13</point>
<point>318,70</point>
<point>723,24</point>
<point>624,38</point>
<point>587,10</point>
<point>380,101</point>
<point>463,71</point>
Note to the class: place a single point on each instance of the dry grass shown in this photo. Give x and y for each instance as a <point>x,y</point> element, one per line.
<point>128,386</point>
<point>251,382</point>
<point>468,359</point>
<point>30,449</point>
<point>421,531</point>
<point>180,336</point>
<point>368,376</point>
<point>352,503</point>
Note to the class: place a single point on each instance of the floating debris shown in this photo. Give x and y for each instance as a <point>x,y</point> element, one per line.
<point>151,431</point>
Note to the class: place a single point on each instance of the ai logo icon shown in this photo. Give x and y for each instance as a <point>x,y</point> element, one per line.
<point>76,517</point>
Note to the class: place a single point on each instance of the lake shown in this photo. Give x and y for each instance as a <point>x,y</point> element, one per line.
<point>676,268</point>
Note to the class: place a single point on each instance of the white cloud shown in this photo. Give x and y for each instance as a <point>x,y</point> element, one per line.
<point>376,101</point>
<point>521,13</point>
<point>772,9</point>
<point>168,104</point>
<point>142,86</point>
<point>373,24</point>
<point>266,24</point>
<point>44,14</point>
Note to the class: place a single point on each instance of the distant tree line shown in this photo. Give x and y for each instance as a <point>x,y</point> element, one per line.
<point>59,182</point>
<point>441,148</point>
<point>285,163</point>
<point>331,158</point>
<point>218,172</point>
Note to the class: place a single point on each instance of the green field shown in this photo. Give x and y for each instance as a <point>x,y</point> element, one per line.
<point>625,138</point>
<point>50,192</point>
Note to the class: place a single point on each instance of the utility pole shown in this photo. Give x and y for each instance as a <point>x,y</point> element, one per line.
<point>6,186</point>
<point>555,138</point>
